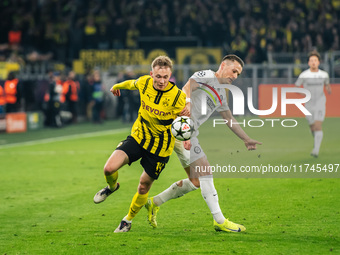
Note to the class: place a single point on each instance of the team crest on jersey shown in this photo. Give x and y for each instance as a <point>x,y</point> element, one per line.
<point>166,102</point>
<point>201,74</point>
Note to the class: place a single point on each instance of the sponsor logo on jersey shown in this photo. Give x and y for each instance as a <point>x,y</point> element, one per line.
<point>154,110</point>
<point>210,103</point>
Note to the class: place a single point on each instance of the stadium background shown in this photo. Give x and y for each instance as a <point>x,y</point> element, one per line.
<point>50,212</point>
<point>273,37</point>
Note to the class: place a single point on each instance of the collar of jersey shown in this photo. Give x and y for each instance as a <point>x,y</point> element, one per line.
<point>173,85</point>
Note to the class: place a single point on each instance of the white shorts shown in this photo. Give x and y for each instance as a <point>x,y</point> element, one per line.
<point>196,151</point>
<point>187,157</point>
<point>318,112</point>
<point>182,154</point>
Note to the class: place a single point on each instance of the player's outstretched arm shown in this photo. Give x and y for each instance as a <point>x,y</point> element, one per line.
<point>232,124</point>
<point>115,92</point>
<point>129,84</point>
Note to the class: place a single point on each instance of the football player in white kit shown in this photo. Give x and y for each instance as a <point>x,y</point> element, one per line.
<point>314,80</point>
<point>202,85</point>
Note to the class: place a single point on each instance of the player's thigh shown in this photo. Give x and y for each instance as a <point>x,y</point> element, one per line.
<point>320,113</point>
<point>200,167</point>
<point>196,151</point>
<point>318,116</point>
<point>182,154</point>
<point>126,152</point>
<point>117,159</point>
<point>152,164</point>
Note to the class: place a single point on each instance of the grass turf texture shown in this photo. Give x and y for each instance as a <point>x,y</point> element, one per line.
<point>46,193</point>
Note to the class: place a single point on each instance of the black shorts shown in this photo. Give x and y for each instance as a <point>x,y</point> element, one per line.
<point>152,164</point>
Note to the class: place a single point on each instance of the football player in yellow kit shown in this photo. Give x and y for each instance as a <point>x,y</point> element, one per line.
<point>150,139</point>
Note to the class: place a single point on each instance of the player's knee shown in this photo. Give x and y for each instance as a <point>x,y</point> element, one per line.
<point>195,182</point>
<point>179,183</point>
<point>143,188</point>
<point>317,127</point>
<point>108,170</point>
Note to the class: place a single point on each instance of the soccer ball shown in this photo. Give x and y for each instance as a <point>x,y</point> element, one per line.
<point>182,128</point>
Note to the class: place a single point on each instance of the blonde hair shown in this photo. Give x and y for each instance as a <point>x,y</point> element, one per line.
<point>162,61</point>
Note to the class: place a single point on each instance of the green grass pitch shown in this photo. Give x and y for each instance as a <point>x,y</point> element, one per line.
<point>47,189</point>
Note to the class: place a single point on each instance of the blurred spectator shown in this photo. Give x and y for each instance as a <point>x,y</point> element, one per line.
<point>53,97</point>
<point>2,100</point>
<point>128,102</point>
<point>13,92</point>
<point>15,58</point>
<point>90,33</point>
<point>86,95</point>
<point>71,89</point>
<point>132,35</point>
<point>239,46</point>
<point>14,35</point>
<point>97,97</point>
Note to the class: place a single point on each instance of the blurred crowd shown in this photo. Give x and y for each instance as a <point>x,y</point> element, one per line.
<point>66,98</point>
<point>34,30</point>
<point>62,97</point>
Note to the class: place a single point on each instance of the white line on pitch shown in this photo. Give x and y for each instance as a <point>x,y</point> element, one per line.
<point>64,138</point>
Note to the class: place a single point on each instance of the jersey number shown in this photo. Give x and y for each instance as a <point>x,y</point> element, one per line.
<point>160,166</point>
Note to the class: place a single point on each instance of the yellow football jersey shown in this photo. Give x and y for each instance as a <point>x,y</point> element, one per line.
<point>157,111</point>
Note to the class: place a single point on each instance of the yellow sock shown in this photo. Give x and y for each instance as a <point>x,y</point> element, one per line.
<point>137,203</point>
<point>112,180</point>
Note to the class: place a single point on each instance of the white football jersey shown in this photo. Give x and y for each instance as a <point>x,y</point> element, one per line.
<point>314,82</point>
<point>206,99</point>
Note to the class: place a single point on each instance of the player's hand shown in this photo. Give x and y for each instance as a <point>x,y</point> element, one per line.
<point>329,91</point>
<point>187,145</point>
<point>186,110</point>
<point>251,144</point>
<point>115,92</point>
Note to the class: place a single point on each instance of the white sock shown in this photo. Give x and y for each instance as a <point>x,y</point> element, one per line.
<point>174,191</point>
<point>318,135</point>
<point>210,196</point>
<point>128,221</point>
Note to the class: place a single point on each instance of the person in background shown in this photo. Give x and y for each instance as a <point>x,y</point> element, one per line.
<point>71,89</point>
<point>12,89</point>
<point>128,102</point>
<point>2,100</point>
<point>53,97</point>
<point>97,97</point>
<point>315,80</point>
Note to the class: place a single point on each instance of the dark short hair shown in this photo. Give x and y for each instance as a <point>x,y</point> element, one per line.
<point>314,53</point>
<point>162,61</point>
<point>233,57</point>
